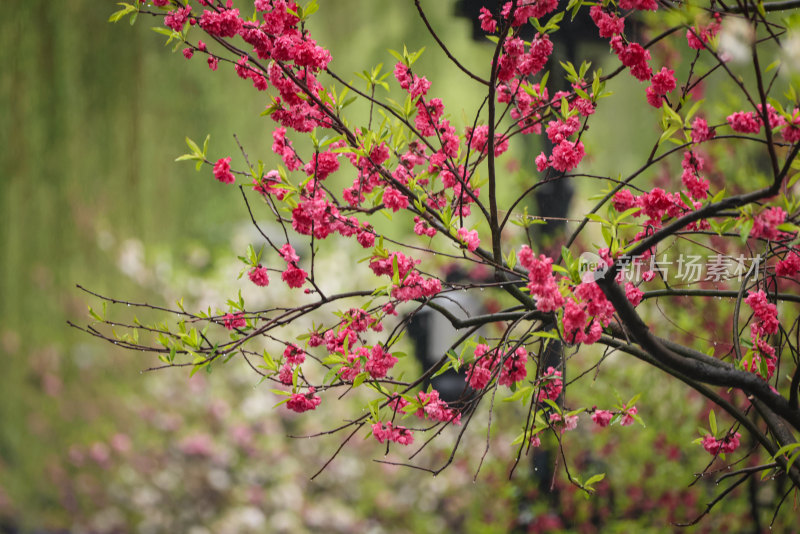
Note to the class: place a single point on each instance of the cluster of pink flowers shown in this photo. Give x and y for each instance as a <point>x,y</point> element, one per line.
<point>421,227</point>
<point>586,314</point>
<point>478,139</point>
<point>657,203</point>
<point>633,294</point>
<point>388,432</point>
<point>294,276</point>
<point>602,417</point>
<point>488,24</point>
<point>541,282</point>
<point>700,130</point>
<point>564,423</point>
<point>222,171</point>
<point>696,185</point>
<point>633,56</point>
<point>303,402</point>
<point>642,5</point>
<point>765,224</point>
<point>412,284</point>
<point>765,324</point>
<point>661,83</point>
<point>627,415</point>
<point>609,24</point>
<point>270,184</point>
<point>283,147</point>
<point>727,444</point>
<point>480,372</point>
<point>293,354</point>
<point>175,20</point>
<point>379,362</point>
<point>469,238</point>
<point>231,320</point>
<point>322,165</point>
<point>551,384</point>
<point>698,36</point>
<point>788,266</point>
<point>258,275</point>
<point>513,367</point>
<point>744,122</point>
<point>436,409</point>
<point>516,63</point>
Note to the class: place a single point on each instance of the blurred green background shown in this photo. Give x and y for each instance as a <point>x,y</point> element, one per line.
<point>93,116</point>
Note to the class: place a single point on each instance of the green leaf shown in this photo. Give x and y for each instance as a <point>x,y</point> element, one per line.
<point>594,478</point>
<point>117,15</point>
<point>712,422</point>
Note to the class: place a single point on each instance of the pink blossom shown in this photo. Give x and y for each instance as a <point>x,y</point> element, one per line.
<point>727,444</point>
<point>541,282</point>
<point>188,53</point>
<point>294,276</point>
<point>436,409</point>
<point>552,384</point>
<point>480,372</point>
<point>791,134</point>
<point>322,165</point>
<point>627,418</point>
<point>633,56</point>
<point>225,23</point>
<point>285,374</point>
<point>232,321</point>
<point>258,275</point>
<point>365,238</point>
<point>421,227</point>
<point>559,130</point>
<point>213,62</point>
<point>663,81</point>
<point>744,122</point>
<point>765,224</point>
<point>176,19</point>
<point>469,238</point>
<point>394,199</point>
<point>789,266</point>
<point>701,131</point>
<point>288,253</point>
<point>300,402</point>
<point>294,354</point>
<point>633,294</point>
<point>379,362</point>
<point>698,37</point>
<point>608,24</point>
<point>569,422</point>
<point>403,75</point>
<point>602,417</point>
<point>541,162</point>
<point>642,5</point>
<point>766,313</point>
<point>514,367</point>
<point>692,165</point>
<point>388,432</point>
<point>624,200</point>
<point>567,155</point>
<point>488,24</point>
<point>222,171</point>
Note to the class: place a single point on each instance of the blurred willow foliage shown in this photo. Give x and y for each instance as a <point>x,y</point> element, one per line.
<point>93,116</point>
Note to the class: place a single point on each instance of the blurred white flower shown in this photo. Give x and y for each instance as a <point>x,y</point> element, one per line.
<point>735,40</point>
